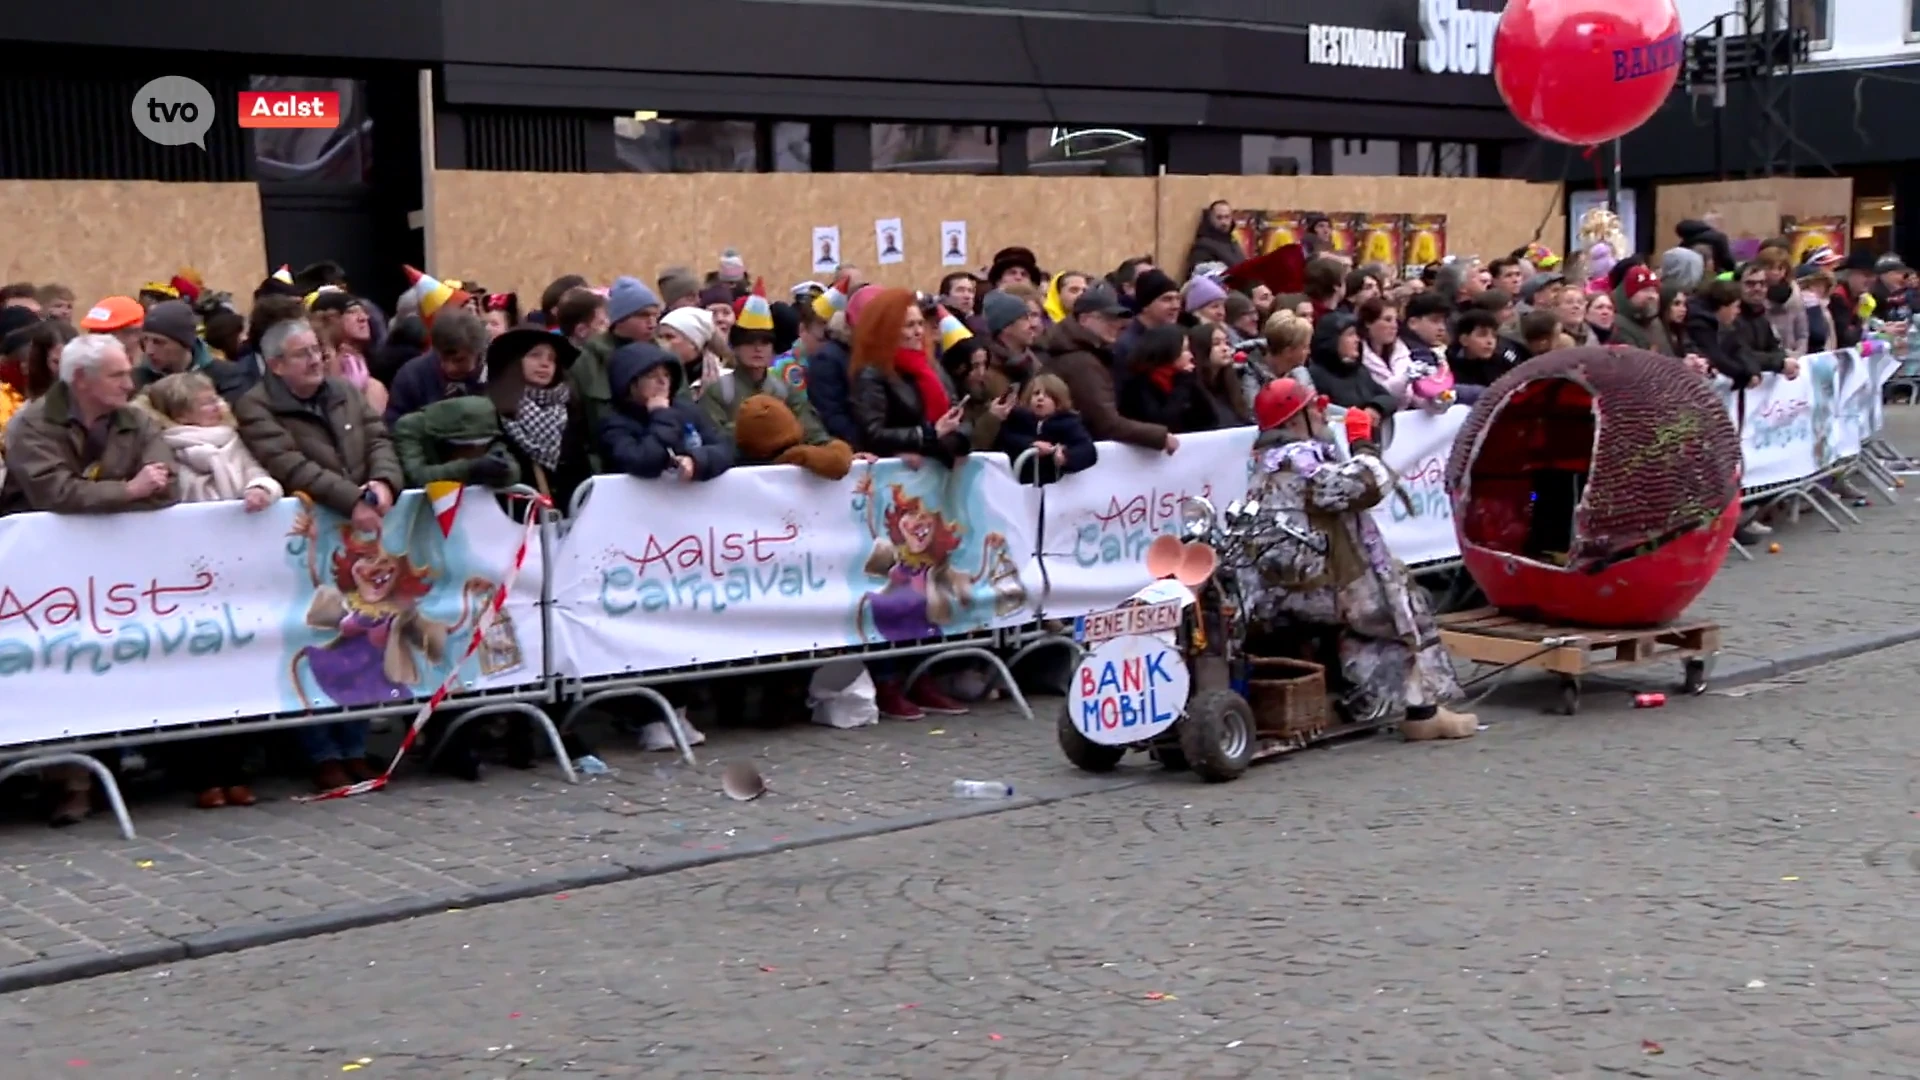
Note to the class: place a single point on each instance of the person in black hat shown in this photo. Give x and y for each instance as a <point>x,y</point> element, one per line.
<point>544,422</point>
<point>1857,278</point>
<point>1156,303</point>
<point>1014,266</point>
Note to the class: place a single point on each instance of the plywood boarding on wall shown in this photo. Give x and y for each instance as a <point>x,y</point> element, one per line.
<point>102,238</point>
<point>1487,218</point>
<point>522,230</point>
<point>1749,209</point>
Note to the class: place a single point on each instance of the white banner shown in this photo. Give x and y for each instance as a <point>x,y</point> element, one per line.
<point>1420,529</point>
<point>763,561</point>
<point>117,623</point>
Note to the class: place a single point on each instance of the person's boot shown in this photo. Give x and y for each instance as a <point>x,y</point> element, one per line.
<point>240,795</point>
<point>212,798</point>
<point>930,698</point>
<point>361,768</point>
<point>894,705</point>
<point>1443,724</point>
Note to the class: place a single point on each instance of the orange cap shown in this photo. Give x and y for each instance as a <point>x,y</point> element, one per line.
<point>113,313</point>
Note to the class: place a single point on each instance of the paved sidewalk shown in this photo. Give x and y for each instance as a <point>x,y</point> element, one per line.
<point>199,882</point>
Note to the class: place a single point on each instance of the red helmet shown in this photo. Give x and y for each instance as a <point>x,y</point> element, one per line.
<point>1278,402</point>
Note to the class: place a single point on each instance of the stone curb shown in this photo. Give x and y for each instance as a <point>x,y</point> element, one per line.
<point>237,938</point>
<point>234,939</point>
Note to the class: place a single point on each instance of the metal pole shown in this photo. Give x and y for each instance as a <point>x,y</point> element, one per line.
<point>1613,180</point>
<point>1720,96</point>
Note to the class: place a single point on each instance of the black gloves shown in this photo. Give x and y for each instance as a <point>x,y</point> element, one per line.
<point>490,472</point>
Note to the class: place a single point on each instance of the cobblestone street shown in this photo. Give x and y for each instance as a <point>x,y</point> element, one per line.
<point>1718,888</point>
<point>199,882</point>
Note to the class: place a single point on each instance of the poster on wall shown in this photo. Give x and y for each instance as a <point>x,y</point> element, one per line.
<point>1249,228</point>
<point>1425,242</point>
<point>826,249</point>
<point>1280,228</point>
<point>1581,203</point>
<point>888,241</point>
<point>1346,227</point>
<point>1378,239</point>
<point>1807,233</point>
<point>953,243</point>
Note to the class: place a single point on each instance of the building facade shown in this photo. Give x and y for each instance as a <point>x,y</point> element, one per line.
<point>1063,87</point>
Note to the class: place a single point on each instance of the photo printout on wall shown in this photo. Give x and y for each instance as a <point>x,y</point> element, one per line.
<point>826,249</point>
<point>953,243</point>
<point>889,241</point>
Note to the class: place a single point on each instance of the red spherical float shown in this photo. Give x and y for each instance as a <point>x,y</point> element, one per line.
<point>1586,71</point>
<point>1596,487</point>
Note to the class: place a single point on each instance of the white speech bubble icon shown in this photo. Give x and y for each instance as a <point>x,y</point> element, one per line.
<point>173,110</point>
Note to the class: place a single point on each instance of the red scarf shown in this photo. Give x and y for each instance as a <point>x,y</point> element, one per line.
<point>1163,378</point>
<point>918,369</point>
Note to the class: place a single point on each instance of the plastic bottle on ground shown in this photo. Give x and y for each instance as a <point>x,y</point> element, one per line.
<point>982,789</point>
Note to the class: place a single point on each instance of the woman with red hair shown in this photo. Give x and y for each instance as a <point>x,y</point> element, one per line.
<point>902,400</point>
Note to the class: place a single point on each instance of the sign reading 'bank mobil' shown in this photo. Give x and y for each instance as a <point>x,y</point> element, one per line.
<point>1454,40</point>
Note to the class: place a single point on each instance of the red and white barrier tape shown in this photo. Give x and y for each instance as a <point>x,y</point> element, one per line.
<point>481,624</point>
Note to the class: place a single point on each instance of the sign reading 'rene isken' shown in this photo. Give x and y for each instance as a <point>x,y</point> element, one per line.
<point>1348,46</point>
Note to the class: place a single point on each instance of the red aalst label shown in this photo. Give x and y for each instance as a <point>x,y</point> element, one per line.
<point>289,109</point>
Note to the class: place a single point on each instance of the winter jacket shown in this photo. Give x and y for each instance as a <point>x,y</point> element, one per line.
<point>645,442</point>
<point>1394,371</point>
<point>212,464</point>
<point>721,400</point>
<point>576,457</point>
<point>420,383</point>
<point>145,374</point>
<point>1085,364</point>
<point>50,466</point>
<point>1633,331</point>
<point>1843,314</point>
<point>1181,407</point>
<point>1213,245</point>
<point>329,447</point>
<point>830,390</point>
<point>1022,429</point>
<point>588,377</point>
<point>424,441</point>
<point>893,421</point>
<point>1819,322</point>
<point>1789,320</point>
<point>1740,352</point>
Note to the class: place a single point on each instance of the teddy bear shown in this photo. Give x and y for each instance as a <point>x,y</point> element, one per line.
<point>766,432</point>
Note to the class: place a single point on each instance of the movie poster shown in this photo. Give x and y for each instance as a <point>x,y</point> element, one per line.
<point>1377,239</point>
<point>1424,242</point>
<point>1281,227</point>
<point>1808,233</point>
<point>1248,227</point>
<point>1346,231</point>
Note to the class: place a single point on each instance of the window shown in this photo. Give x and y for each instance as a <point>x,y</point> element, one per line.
<point>1275,155</point>
<point>1817,17</point>
<point>792,147</point>
<point>649,143</point>
<point>339,155</point>
<point>1447,159</point>
<point>1366,157</point>
<point>935,148</point>
<point>1086,151</point>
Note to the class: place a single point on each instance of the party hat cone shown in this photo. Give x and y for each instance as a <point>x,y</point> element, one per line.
<point>952,330</point>
<point>445,497</point>
<point>432,294</point>
<point>752,312</point>
<point>834,299</point>
<point>284,275</point>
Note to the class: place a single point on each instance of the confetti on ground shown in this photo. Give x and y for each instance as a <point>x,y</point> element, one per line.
<point>1791,877</point>
<point>911,1005</point>
<point>768,967</point>
<point>513,1016</point>
<point>1156,995</point>
<point>77,1063</point>
<point>1234,1044</point>
<point>560,896</point>
<point>938,731</point>
<point>1648,1046</point>
<point>1756,984</point>
<point>993,1036</point>
<point>145,864</point>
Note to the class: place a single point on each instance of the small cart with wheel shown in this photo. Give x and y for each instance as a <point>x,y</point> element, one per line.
<point>1487,636</point>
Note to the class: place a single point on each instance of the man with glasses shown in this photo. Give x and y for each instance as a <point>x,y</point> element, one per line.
<point>1755,343</point>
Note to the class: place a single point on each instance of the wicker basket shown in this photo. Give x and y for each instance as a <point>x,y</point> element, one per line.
<point>1289,697</point>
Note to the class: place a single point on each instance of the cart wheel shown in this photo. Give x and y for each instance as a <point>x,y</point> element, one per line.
<point>1217,735</point>
<point>1084,753</point>
<point>1696,676</point>
<point>1569,695</point>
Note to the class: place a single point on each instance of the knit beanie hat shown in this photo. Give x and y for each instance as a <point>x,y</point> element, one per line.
<point>694,324</point>
<point>733,268</point>
<point>1001,310</point>
<point>1682,267</point>
<point>676,284</point>
<point>1201,291</point>
<point>716,293</point>
<point>629,297</point>
<point>1151,285</point>
<point>175,321</point>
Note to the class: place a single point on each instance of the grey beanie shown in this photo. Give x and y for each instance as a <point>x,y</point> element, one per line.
<point>1002,310</point>
<point>1682,268</point>
<point>677,283</point>
<point>629,297</point>
<point>173,320</point>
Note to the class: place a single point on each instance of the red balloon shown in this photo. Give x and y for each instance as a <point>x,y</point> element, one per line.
<point>1586,71</point>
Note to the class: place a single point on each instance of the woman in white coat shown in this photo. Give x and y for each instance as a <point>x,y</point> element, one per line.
<point>213,466</point>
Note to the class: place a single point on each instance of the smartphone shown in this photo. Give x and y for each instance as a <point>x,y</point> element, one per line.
<point>965,400</point>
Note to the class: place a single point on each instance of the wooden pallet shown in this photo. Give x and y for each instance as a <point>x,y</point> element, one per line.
<point>1486,636</point>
